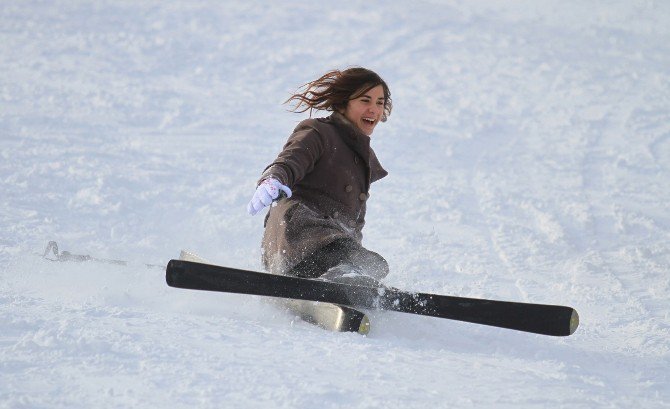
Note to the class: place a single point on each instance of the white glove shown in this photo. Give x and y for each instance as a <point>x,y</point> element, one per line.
<point>267,192</point>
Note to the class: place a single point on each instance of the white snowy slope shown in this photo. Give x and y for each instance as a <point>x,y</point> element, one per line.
<point>529,160</point>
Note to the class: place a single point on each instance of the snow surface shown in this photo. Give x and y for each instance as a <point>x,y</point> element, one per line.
<point>529,159</point>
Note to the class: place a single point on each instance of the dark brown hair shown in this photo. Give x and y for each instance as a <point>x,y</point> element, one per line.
<point>333,90</point>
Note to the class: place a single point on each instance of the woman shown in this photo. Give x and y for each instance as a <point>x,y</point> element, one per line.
<point>325,170</point>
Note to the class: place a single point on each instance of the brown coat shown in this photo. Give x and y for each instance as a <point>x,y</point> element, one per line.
<point>329,165</point>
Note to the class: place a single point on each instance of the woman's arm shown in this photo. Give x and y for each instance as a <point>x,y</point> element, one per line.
<point>298,157</point>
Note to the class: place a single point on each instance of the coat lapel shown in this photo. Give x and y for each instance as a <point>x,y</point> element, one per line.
<point>360,143</point>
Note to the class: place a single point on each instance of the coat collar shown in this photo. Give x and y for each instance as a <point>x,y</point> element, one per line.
<point>351,130</point>
<point>360,143</point>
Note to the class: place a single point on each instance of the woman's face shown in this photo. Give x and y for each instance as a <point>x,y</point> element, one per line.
<point>366,110</point>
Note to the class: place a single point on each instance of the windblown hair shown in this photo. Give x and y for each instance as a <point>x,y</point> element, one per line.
<point>334,90</point>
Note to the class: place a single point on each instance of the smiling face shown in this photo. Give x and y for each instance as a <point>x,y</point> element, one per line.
<point>366,110</point>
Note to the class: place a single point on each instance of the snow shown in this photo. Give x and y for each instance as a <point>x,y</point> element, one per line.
<point>529,159</point>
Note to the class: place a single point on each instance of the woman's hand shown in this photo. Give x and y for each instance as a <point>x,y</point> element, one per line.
<point>266,193</point>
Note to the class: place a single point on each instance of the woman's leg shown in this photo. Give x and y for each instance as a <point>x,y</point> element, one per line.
<point>321,260</point>
<point>343,260</point>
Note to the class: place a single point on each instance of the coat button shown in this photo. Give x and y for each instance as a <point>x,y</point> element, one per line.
<point>336,214</point>
<point>363,197</point>
<point>352,223</point>
<point>348,188</point>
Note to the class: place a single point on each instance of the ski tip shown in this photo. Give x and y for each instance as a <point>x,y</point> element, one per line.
<point>364,327</point>
<point>172,272</point>
<point>186,255</point>
<point>574,322</point>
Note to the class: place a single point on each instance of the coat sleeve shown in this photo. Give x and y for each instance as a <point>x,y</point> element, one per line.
<point>298,157</point>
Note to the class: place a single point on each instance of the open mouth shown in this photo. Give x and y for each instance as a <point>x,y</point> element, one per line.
<point>369,121</point>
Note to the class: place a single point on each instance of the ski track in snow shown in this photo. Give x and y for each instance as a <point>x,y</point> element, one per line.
<point>529,159</point>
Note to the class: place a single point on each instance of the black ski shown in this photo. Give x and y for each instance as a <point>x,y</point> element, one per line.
<point>325,315</point>
<point>543,319</point>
